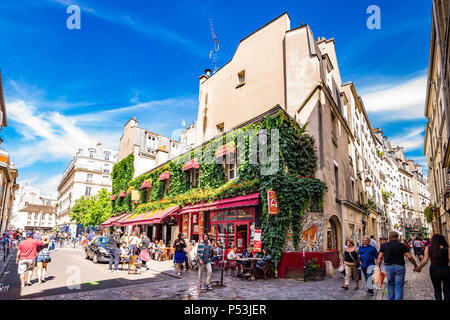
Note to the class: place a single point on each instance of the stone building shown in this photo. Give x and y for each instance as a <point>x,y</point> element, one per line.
<point>38,217</point>
<point>88,173</point>
<point>8,174</point>
<point>437,131</point>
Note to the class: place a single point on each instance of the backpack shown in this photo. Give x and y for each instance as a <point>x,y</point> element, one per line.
<point>46,254</point>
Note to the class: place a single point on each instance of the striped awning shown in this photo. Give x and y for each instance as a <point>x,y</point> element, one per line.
<point>146,184</point>
<point>160,216</point>
<point>164,176</point>
<point>240,201</point>
<point>112,221</point>
<point>193,164</point>
<point>149,217</point>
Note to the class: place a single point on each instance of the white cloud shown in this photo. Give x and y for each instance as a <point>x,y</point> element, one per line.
<point>412,140</point>
<point>397,101</point>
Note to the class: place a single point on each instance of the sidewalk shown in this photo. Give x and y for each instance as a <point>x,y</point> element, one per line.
<point>185,288</point>
<point>4,264</point>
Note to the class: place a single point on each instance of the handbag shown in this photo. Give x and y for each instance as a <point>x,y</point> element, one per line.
<point>341,268</point>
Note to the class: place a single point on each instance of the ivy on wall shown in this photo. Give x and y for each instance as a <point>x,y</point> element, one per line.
<point>293,182</point>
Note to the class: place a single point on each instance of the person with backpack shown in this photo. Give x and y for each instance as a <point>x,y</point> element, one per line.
<point>439,254</point>
<point>43,259</point>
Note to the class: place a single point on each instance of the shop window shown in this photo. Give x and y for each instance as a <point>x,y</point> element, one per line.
<point>244,215</point>
<point>217,217</point>
<point>229,215</point>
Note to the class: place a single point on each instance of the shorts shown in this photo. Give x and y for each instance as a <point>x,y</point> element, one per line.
<point>41,259</point>
<point>25,265</point>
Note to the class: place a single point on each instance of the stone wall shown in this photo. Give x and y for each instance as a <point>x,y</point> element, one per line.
<point>311,235</point>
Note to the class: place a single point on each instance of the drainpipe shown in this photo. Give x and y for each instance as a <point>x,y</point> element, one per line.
<point>3,205</point>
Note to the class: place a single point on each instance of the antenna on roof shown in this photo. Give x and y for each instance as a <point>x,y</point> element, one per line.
<point>213,53</point>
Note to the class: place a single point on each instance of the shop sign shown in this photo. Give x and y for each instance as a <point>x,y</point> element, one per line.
<point>135,195</point>
<point>201,224</point>
<point>272,202</point>
<point>257,240</point>
<point>185,225</point>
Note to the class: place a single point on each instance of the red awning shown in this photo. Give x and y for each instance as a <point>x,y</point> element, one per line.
<point>160,216</point>
<point>193,164</point>
<point>113,197</point>
<point>142,218</point>
<point>164,176</point>
<point>241,201</point>
<point>146,184</point>
<point>122,194</point>
<point>223,150</point>
<point>111,221</point>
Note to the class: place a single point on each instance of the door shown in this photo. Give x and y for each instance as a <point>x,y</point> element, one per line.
<point>242,236</point>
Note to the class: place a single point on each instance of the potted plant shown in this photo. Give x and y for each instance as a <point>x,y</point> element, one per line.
<point>313,270</point>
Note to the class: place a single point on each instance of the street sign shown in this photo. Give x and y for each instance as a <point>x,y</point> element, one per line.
<point>272,202</point>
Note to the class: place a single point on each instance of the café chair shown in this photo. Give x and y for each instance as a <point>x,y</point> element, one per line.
<point>135,265</point>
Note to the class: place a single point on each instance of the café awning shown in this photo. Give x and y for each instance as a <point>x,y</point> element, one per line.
<point>193,164</point>
<point>240,201</point>
<point>146,184</point>
<point>164,176</point>
<point>142,218</point>
<point>160,216</point>
<point>111,221</point>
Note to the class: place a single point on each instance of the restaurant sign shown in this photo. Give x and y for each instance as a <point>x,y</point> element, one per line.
<point>272,201</point>
<point>257,240</point>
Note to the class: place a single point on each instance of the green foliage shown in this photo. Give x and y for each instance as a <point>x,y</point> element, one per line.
<point>312,264</point>
<point>92,211</point>
<point>428,213</point>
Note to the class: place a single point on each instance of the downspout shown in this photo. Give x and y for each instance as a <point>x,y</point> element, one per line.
<point>3,205</point>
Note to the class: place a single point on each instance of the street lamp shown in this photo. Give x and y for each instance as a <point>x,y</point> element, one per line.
<point>368,182</point>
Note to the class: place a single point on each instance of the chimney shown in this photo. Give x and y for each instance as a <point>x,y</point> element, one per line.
<point>208,72</point>
<point>99,146</point>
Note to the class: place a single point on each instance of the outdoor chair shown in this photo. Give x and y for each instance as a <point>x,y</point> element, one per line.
<point>122,262</point>
<point>134,264</point>
<point>162,256</point>
<point>265,270</point>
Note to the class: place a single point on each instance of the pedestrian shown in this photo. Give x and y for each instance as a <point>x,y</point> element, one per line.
<point>144,246</point>
<point>418,248</point>
<point>204,255</point>
<point>132,243</point>
<point>439,254</point>
<point>426,242</point>
<point>114,251</point>
<point>393,253</point>
<point>179,256</point>
<point>351,264</point>
<point>367,255</point>
<point>26,258</point>
<point>373,242</point>
<point>43,258</point>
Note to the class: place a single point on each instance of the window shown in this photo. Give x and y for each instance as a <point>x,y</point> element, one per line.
<point>336,181</point>
<point>353,189</point>
<point>194,174</point>
<point>91,153</point>
<point>107,156</point>
<point>333,129</point>
<point>166,187</point>
<point>231,167</point>
<point>89,178</point>
<point>88,191</point>
<point>220,128</point>
<point>241,78</point>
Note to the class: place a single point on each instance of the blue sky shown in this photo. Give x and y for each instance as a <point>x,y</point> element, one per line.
<point>66,89</point>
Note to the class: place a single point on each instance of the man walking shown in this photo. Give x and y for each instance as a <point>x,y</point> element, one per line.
<point>373,242</point>
<point>418,248</point>
<point>114,250</point>
<point>26,257</point>
<point>204,255</point>
<point>368,254</point>
<point>393,253</point>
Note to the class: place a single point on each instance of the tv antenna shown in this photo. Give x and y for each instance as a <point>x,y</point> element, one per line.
<point>213,53</point>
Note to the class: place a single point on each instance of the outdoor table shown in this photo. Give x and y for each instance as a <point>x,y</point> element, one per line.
<point>253,264</point>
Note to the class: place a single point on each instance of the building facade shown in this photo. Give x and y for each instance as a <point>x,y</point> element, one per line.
<point>38,217</point>
<point>8,174</point>
<point>437,131</point>
<point>88,173</point>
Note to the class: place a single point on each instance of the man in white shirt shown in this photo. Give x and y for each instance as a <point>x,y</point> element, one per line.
<point>373,242</point>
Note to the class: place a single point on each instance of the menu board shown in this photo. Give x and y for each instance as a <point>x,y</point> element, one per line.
<point>185,225</point>
<point>257,240</point>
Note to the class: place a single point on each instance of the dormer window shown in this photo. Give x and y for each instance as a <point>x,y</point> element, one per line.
<point>107,156</point>
<point>220,128</point>
<point>91,153</point>
<point>241,79</point>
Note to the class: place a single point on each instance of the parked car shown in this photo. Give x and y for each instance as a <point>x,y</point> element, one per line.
<point>97,250</point>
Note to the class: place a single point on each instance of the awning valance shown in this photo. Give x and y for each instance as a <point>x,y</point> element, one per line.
<point>146,184</point>
<point>193,164</point>
<point>241,201</point>
<point>122,194</point>
<point>164,176</point>
<point>149,217</point>
<point>160,216</point>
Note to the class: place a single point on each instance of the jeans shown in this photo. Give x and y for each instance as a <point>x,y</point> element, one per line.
<point>440,277</point>
<point>114,255</point>
<point>395,275</point>
<point>133,249</point>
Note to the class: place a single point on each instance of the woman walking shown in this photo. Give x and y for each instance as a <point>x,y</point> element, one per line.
<point>43,258</point>
<point>351,264</point>
<point>439,254</point>
<point>180,256</point>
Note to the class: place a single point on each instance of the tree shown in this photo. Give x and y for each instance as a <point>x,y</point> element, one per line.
<point>92,211</point>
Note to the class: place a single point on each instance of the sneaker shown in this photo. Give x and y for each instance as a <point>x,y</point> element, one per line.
<point>209,287</point>
<point>370,291</point>
<point>202,287</point>
<point>43,280</point>
<point>28,284</point>
<point>111,271</point>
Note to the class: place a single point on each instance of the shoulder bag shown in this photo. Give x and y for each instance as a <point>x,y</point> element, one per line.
<point>357,263</point>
